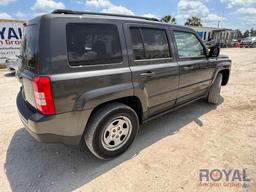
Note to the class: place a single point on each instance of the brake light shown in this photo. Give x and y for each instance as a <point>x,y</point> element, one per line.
<point>43,95</point>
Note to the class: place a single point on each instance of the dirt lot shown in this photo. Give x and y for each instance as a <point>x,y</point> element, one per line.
<point>166,156</point>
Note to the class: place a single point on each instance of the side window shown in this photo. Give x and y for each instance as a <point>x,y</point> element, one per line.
<point>150,44</point>
<point>137,44</point>
<point>92,44</point>
<point>188,45</point>
<point>155,43</point>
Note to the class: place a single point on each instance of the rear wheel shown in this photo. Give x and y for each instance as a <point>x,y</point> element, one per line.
<point>111,130</point>
<point>214,92</point>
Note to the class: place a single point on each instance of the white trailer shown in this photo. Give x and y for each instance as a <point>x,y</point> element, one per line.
<point>11,32</point>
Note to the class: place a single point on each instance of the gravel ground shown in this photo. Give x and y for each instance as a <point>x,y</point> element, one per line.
<point>166,156</point>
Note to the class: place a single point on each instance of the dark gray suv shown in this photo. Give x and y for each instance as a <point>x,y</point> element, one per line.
<point>91,78</point>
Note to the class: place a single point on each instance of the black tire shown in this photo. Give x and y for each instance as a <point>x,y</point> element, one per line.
<point>214,92</point>
<point>99,123</point>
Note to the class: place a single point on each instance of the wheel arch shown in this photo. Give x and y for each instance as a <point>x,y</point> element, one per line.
<point>225,76</point>
<point>131,101</point>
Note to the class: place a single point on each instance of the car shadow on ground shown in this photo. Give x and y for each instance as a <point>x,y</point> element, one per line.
<point>9,74</point>
<point>33,166</point>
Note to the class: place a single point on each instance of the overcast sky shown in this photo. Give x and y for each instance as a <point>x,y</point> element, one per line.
<point>231,13</point>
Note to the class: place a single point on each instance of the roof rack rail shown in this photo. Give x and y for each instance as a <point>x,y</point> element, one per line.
<point>66,11</point>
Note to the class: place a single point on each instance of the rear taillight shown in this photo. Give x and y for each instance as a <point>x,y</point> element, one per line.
<point>43,95</point>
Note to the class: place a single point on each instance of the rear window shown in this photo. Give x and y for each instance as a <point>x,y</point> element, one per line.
<point>93,44</point>
<point>29,48</point>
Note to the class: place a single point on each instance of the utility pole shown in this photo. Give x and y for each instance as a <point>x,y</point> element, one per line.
<point>222,19</point>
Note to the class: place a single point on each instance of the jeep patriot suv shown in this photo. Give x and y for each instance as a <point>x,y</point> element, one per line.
<point>90,79</point>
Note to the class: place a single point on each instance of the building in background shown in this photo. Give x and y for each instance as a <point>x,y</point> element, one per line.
<point>11,32</point>
<point>220,36</point>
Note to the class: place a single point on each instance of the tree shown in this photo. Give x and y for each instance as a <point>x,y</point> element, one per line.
<point>253,32</point>
<point>194,21</point>
<point>169,19</point>
<point>246,34</point>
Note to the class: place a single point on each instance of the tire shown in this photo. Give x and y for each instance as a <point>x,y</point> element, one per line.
<point>254,45</point>
<point>111,124</point>
<point>214,92</point>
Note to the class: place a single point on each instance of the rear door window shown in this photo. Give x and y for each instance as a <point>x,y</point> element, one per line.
<point>93,44</point>
<point>149,43</point>
<point>137,44</point>
<point>155,43</point>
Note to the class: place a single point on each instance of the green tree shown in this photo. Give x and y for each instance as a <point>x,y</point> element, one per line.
<point>169,19</point>
<point>194,21</point>
<point>246,34</point>
<point>253,32</point>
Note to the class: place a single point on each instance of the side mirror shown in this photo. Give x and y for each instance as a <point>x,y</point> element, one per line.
<point>214,51</point>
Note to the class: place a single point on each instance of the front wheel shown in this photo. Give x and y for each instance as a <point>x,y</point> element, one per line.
<point>214,92</point>
<point>111,130</point>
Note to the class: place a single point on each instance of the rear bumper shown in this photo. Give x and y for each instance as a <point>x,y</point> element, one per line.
<point>66,128</point>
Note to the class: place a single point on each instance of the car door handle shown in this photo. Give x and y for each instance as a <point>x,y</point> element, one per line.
<point>188,68</point>
<point>147,74</point>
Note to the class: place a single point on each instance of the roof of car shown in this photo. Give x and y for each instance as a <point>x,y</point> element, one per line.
<point>69,13</point>
<point>65,11</point>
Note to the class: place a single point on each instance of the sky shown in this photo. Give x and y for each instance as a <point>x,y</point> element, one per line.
<point>235,14</point>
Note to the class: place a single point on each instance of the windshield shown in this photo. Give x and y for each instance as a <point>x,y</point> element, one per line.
<point>29,48</point>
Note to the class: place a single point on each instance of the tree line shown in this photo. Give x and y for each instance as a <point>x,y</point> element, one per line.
<point>192,21</point>
<point>196,22</point>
